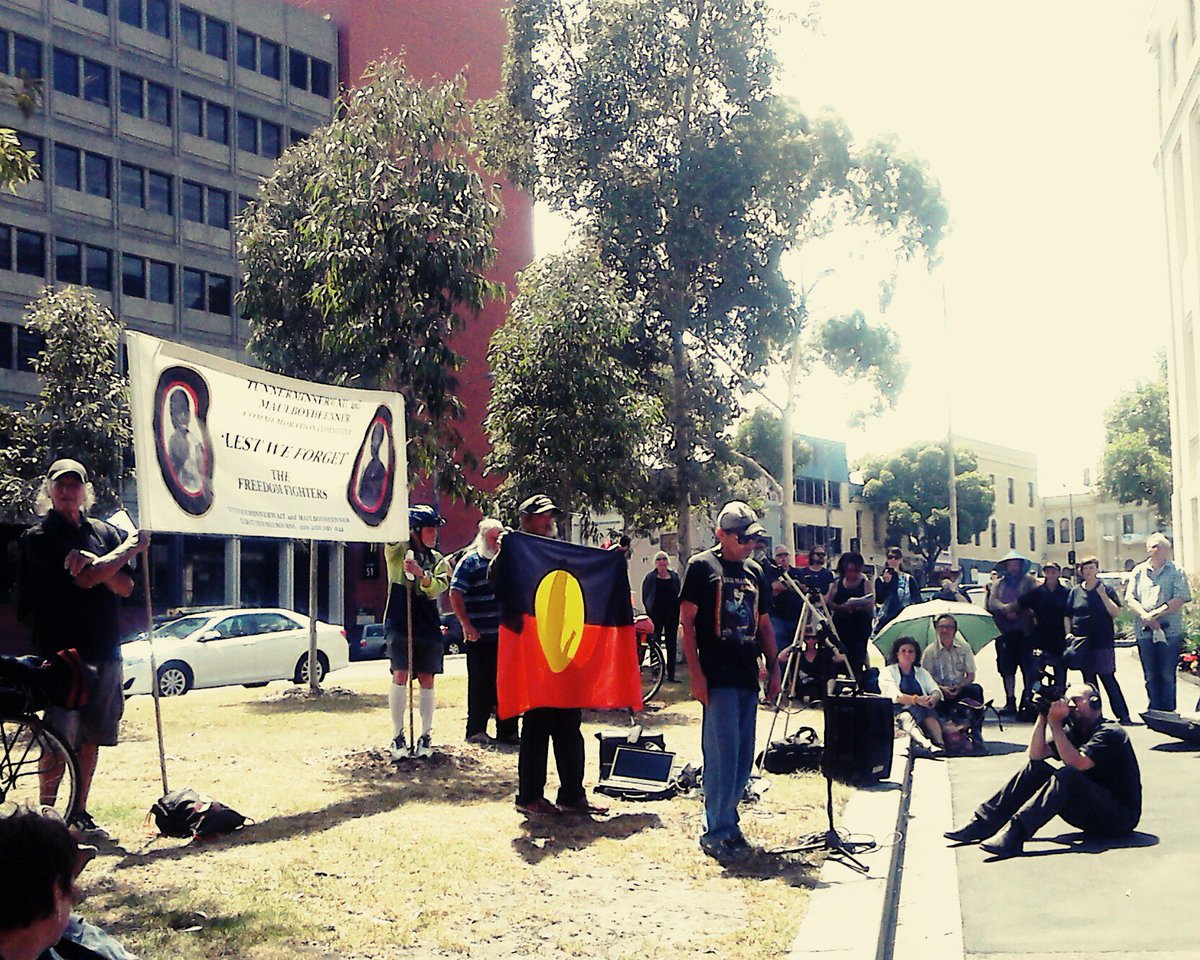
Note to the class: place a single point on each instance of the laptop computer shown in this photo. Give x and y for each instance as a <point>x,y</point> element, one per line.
<point>638,769</point>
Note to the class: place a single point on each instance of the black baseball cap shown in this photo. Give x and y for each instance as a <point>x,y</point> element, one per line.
<point>737,517</point>
<point>538,503</point>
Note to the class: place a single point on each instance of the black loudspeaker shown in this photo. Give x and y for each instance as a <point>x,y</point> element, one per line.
<point>858,738</point>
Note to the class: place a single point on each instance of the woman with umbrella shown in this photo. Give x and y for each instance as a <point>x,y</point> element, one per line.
<point>1092,607</point>
<point>853,605</point>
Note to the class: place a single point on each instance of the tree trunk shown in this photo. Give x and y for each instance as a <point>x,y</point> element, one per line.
<point>788,473</point>
<point>682,451</point>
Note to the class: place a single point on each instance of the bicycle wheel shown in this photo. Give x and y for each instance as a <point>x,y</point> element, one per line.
<point>654,668</point>
<point>27,747</point>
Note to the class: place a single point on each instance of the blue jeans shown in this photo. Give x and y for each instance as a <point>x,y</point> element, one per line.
<point>1159,663</point>
<point>727,737</point>
<point>785,631</point>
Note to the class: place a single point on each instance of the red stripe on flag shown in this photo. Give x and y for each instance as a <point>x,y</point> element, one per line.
<point>603,674</point>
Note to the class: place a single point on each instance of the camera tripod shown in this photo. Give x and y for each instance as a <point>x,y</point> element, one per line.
<point>819,619</point>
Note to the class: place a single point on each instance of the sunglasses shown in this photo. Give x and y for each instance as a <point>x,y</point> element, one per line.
<point>894,556</point>
<point>746,537</point>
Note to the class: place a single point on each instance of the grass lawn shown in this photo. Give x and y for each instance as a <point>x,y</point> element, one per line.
<point>351,855</point>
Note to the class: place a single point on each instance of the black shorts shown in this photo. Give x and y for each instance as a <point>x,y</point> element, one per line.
<point>427,654</point>
<point>99,722</point>
<point>1013,652</point>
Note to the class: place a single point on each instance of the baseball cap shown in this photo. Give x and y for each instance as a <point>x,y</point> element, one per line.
<point>60,468</point>
<point>423,515</point>
<point>737,517</point>
<point>538,503</point>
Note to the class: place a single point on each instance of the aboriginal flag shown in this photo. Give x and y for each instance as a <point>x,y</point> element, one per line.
<point>566,627</point>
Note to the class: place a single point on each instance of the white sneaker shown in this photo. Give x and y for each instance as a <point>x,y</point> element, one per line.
<point>424,746</point>
<point>399,748</point>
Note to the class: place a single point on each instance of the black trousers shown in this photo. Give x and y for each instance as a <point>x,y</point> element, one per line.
<point>1116,698</point>
<point>540,726</point>
<point>481,690</point>
<point>666,631</point>
<point>1040,791</point>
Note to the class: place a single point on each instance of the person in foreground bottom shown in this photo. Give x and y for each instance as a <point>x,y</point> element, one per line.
<point>1098,788</point>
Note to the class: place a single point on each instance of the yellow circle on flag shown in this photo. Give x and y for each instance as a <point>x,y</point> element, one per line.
<point>558,605</point>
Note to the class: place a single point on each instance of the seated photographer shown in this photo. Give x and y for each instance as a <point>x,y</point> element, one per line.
<point>36,897</point>
<point>915,695</point>
<point>1098,788</point>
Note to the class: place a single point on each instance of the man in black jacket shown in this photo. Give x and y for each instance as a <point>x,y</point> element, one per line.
<point>660,599</point>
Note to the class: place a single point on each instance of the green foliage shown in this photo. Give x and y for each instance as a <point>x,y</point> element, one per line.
<point>82,409</point>
<point>366,247</point>
<point>567,416</point>
<point>760,437</point>
<point>654,125</point>
<point>17,165</point>
<point>1136,465</point>
<point>913,485</point>
<point>857,350</point>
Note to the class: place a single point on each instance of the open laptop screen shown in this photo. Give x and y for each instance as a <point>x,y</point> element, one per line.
<point>642,764</point>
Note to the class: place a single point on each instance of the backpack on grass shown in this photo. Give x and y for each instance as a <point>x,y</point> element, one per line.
<point>187,813</point>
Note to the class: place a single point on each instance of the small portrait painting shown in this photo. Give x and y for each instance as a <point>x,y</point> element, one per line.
<point>181,440</point>
<point>372,479</point>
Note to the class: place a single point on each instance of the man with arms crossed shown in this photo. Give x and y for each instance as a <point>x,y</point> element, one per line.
<point>724,613</point>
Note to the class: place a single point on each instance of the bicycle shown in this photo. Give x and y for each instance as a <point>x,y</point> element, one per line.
<point>29,745</point>
<point>651,659</point>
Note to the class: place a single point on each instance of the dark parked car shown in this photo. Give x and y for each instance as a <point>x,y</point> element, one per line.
<point>371,645</point>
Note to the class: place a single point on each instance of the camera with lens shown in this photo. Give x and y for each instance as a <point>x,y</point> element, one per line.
<point>1050,686</point>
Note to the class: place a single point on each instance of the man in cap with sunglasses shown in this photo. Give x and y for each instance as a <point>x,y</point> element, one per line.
<point>725,607</point>
<point>73,570</point>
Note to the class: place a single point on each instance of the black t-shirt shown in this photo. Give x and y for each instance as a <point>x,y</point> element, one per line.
<point>1116,767</point>
<point>852,625</point>
<point>729,599</point>
<point>1089,618</point>
<point>59,613</point>
<point>817,579</point>
<point>1049,610</point>
<point>786,604</point>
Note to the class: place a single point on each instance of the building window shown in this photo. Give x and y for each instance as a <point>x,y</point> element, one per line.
<point>1030,488</point>
<point>191,201</point>
<point>96,6</point>
<point>259,136</point>
<point>97,267</point>
<point>1011,490</point>
<point>813,492</point>
<point>158,103</point>
<point>1012,536</point>
<point>6,254</point>
<point>147,279</point>
<point>202,204</point>
<point>1127,523</point>
<point>247,133</point>
<point>8,354</point>
<point>20,56</point>
<point>270,59</point>
<point>133,276</point>
<point>1079,530</point>
<point>151,15</point>
<point>976,539</point>
<point>295,136</point>
<point>809,535</point>
<point>204,33</point>
<point>30,345</point>
<point>31,253</point>
<point>1032,539</point>
<point>68,261</point>
<point>216,123</point>
<point>211,292</point>
<point>66,167</point>
<point>162,282</point>
<point>255,53</point>
<point>1049,533</point>
<point>97,180</point>
<point>191,115</point>
<point>145,98</point>
<point>147,189</point>
<point>1064,531</point>
<point>78,76</point>
<point>993,532</point>
<point>309,73</point>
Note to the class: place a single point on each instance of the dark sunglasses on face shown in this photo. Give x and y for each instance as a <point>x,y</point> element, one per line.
<point>746,537</point>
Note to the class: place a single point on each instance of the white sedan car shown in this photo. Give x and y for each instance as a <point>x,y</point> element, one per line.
<point>225,647</point>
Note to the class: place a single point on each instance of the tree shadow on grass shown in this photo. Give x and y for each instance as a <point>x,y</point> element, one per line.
<point>377,784</point>
<point>334,700</point>
<point>546,837</point>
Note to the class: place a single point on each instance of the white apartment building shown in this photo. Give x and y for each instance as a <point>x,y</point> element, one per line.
<point>1176,53</point>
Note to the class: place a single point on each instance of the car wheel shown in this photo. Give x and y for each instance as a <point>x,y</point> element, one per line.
<point>454,646</point>
<point>301,674</point>
<point>255,686</point>
<point>174,679</point>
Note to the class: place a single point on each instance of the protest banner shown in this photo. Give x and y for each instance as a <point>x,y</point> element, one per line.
<point>224,448</point>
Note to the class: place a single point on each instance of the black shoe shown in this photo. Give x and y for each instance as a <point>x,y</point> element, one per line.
<point>1009,709</point>
<point>1010,842</point>
<point>973,832</point>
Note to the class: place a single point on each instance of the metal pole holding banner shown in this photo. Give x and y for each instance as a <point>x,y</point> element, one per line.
<point>314,684</point>
<point>408,598</point>
<point>162,756</point>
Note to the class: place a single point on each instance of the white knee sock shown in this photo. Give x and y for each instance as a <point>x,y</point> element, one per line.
<point>426,705</point>
<point>398,702</point>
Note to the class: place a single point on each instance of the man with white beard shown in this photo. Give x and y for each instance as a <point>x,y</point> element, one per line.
<point>474,603</point>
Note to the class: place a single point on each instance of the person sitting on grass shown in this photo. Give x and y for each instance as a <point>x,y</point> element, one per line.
<point>915,695</point>
<point>42,862</point>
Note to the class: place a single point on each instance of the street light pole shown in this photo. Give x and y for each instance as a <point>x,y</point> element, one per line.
<point>953,505</point>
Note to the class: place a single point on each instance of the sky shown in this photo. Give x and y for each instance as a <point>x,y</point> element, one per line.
<point>1038,119</point>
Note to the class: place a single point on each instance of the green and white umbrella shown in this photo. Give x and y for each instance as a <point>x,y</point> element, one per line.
<point>975,625</point>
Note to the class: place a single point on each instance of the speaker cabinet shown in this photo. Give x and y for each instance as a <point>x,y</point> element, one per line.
<point>858,738</point>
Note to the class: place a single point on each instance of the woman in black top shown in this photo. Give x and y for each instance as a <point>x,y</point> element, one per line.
<point>1091,609</point>
<point>660,598</point>
<point>852,601</point>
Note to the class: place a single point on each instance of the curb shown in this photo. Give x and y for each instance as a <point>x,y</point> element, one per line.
<point>846,912</point>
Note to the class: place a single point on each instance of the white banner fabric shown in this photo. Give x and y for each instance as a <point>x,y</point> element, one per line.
<point>228,449</point>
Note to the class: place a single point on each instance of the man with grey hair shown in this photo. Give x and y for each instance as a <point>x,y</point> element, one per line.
<point>474,603</point>
<point>72,571</point>
<point>1156,593</point>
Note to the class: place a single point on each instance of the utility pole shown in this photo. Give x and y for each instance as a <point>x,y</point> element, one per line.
<point>950,436</point>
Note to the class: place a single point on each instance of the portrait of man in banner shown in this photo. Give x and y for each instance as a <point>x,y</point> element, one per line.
<point>182,444</point>
<point>371,481</point>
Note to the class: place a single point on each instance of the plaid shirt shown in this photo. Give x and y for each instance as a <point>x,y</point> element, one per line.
<point>1152,589</point>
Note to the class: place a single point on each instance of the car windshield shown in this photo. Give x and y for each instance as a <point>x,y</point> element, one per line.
<point>180,628</point>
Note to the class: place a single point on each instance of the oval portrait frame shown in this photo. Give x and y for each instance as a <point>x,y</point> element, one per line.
<point>198,502</point>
